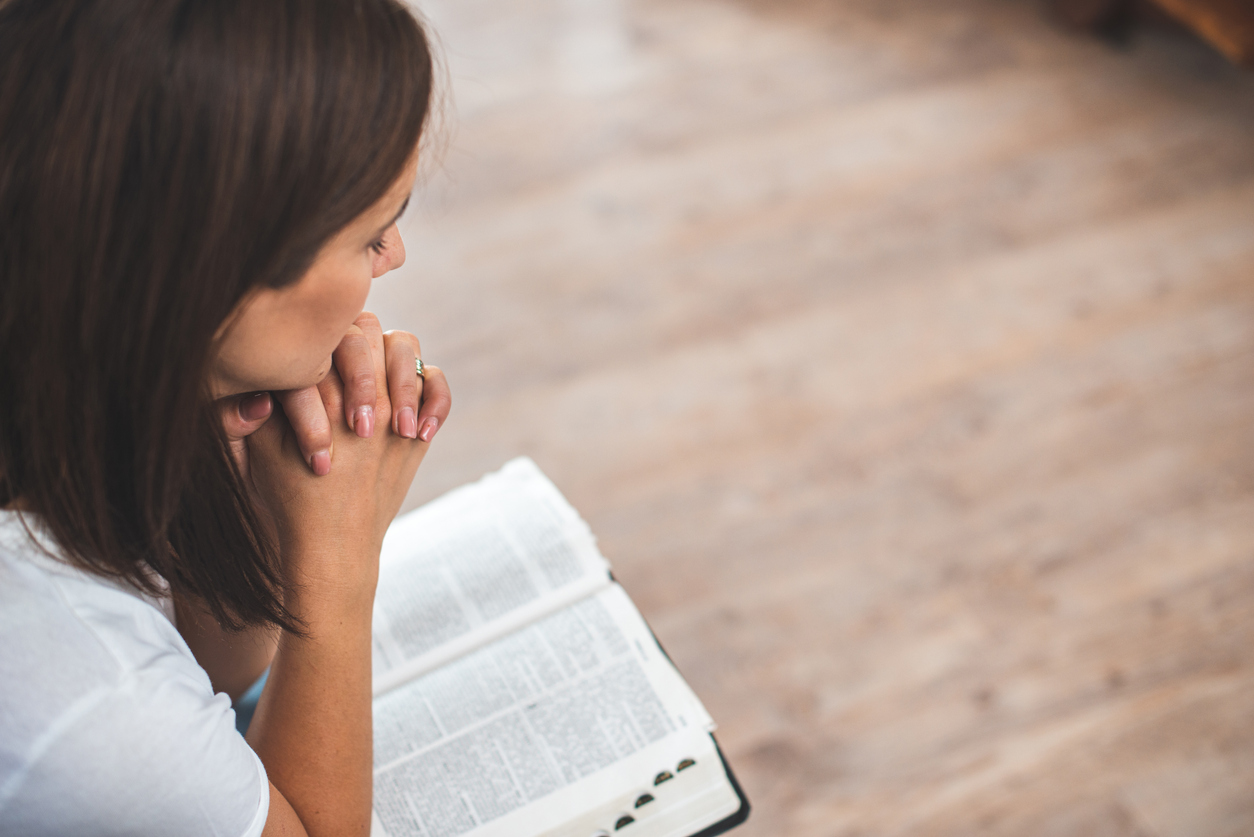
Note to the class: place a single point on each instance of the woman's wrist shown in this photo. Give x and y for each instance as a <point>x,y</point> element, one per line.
<point>329,582</point>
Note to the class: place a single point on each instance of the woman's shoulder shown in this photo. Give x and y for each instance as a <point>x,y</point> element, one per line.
<point>59,614</point>
<point>99,685</point>
<point>70,634</point>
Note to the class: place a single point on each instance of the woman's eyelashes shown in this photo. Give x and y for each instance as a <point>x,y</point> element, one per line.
<point>379,246</point>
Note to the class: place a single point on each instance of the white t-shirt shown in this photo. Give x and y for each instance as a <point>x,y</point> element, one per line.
<point>107,723</point>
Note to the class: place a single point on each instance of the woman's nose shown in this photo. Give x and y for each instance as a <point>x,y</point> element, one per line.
<point>396,253</point>
<point>393,255</point>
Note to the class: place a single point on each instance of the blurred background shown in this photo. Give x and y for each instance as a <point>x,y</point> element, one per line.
<point>901,355</point>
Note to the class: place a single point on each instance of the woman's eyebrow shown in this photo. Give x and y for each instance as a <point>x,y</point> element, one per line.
<point>395,217</point>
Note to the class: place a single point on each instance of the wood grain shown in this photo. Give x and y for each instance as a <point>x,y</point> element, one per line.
<point>901,354</point>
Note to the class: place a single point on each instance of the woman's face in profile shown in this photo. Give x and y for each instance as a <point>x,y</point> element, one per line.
<point>279,339</point>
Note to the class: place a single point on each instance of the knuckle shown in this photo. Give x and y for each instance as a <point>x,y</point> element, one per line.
<point>404,337</point>
<point>401,366</point>
<point>438,396</point>
<point>306,413</point>
<point>297,402</point>
<point>362,379</point>
<point>315,438</point>
<point>332,393</point>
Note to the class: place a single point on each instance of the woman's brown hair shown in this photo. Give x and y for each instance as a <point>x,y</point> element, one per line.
<point>158,160</point>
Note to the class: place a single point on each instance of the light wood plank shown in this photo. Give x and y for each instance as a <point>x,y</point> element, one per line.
<point>901,354</point>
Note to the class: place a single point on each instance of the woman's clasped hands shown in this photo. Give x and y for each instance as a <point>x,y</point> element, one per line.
<point>333,464</point>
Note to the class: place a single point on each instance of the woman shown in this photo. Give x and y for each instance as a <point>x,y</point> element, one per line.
<point>194,198</point>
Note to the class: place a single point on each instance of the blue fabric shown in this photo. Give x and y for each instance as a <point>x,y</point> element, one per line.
<point>247,703</point>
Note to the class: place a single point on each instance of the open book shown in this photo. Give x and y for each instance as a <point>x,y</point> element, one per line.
<point>518,691</point>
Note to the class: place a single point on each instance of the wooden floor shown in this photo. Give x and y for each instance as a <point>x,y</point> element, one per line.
<point>901,354</point>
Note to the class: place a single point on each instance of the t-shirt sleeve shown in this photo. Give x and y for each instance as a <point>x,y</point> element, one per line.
<point>156,753</point>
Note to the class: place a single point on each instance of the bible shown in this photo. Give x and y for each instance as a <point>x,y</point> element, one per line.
<point>517,689</point>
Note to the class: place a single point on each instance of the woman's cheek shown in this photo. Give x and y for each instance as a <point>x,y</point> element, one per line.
<point>345,300</point>
<point>364,280</point>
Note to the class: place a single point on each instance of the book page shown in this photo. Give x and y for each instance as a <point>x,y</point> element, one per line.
<point>475,564</point>
<point>485,741</point>
<point>635,797</point>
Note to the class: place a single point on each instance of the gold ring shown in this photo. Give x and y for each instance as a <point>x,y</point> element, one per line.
<point>418,368</point>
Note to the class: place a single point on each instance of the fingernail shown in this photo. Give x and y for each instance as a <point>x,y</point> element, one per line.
<point>254,407</point>
<point>406,423</point>
<point>321,462</point>
<point>429,426</point>
<point>363,422</point>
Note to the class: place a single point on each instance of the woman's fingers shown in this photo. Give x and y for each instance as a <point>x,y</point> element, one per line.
<point>355,363</point>
<point>271,434</point>
<point>241,416</point>
<point>436,402</point>
<point>331,391</point>
<point>401,349</point>
<point>311,425</point>
<point>365,379</point>
<point>420,405</point>
<point>373,332</point>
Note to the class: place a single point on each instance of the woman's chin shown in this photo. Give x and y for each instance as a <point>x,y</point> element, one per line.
<point>323,369</point>
<point>308,379</point>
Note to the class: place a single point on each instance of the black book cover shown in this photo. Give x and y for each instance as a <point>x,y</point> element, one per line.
<point>727,823</point>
